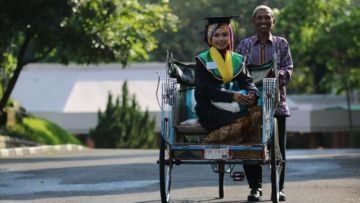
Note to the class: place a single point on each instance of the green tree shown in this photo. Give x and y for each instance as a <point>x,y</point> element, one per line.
<point>83,31</point>
<point>323,37</point>
<point>123,125</point>
<point>341,41</point>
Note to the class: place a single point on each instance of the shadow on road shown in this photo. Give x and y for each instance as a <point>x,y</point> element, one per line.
<point>97,180</point>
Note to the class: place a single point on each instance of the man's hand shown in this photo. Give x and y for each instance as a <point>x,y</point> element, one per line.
<point>271,74</point>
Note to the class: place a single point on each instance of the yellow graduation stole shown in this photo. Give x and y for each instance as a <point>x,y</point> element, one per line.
<point>224,66</point>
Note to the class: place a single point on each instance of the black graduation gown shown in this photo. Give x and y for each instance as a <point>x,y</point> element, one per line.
<point>208,88</point>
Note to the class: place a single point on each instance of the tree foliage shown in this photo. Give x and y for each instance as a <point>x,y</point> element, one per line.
<point>188,41</point>
<point>82,31</point>
<point>124,125</point>
<point>324,37</point>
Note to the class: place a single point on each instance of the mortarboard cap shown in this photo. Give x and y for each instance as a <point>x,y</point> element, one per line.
<point>219,19</point>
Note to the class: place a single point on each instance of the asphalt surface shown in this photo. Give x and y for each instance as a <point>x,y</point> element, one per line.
<point>132,176</point>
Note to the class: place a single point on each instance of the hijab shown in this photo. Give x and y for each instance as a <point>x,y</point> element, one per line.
<point>224,64</point>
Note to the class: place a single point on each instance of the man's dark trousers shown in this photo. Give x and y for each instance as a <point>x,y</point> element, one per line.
<point>253,172</point>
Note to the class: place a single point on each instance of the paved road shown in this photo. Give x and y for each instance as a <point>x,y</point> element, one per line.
<point>329,176</point>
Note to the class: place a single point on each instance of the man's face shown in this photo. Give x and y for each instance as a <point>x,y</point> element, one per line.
<point>263,21</point>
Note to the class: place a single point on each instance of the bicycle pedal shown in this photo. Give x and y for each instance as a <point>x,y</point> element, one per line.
<point>238,176</point>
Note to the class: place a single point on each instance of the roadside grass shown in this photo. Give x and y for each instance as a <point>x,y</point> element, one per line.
<point>41,131</point>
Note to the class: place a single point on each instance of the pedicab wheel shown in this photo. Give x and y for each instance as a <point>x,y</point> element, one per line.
<point>276,164</point>
<point>165,166</point>
<point>221,167</point>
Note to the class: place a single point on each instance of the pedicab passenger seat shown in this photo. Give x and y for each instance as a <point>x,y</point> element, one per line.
<point>183,72</point>
<point>185,75</point>
<point>191,127</point>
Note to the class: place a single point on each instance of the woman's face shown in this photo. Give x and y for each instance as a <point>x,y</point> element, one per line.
<point>220,38</point>
<point>263,21</point>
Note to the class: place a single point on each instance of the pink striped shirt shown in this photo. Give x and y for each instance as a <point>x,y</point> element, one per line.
<point>258,53</point>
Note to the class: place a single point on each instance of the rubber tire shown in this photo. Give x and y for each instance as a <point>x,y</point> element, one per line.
<point>275,164</point>
<point>165,172</point>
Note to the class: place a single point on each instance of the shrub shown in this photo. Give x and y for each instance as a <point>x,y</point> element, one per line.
<point>124,125</point>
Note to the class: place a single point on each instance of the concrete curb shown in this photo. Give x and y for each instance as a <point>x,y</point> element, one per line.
<point>10,142</point>
<point>36,150</point>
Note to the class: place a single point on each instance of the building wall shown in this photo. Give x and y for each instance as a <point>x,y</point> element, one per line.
<point>72,95</point>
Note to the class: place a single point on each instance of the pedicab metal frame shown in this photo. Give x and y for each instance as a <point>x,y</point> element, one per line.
<point>219,156</point>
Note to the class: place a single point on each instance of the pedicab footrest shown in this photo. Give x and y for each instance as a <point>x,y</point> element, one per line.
<point>191,130</point>
<point>238,176</point>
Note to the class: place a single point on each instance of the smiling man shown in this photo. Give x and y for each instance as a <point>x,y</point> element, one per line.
<point>260,49</point>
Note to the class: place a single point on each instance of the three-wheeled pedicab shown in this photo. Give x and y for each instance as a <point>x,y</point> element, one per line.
<point>179,138</point>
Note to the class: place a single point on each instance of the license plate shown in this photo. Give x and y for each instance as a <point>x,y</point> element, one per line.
<point>216,153</point>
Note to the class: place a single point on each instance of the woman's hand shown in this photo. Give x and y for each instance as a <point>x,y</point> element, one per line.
<point>252,98</point>
<point>242,99</point>
<point>248,100</point>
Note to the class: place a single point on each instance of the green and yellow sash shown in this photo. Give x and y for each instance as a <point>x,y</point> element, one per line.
<point>223,70</point>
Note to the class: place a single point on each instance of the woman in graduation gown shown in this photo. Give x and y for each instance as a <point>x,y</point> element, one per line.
<point>220,74</point>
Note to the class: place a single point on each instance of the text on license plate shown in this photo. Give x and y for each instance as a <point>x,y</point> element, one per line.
<point>216,153</point>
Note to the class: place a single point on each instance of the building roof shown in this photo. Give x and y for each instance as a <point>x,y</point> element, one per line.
<point>78,88</point>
